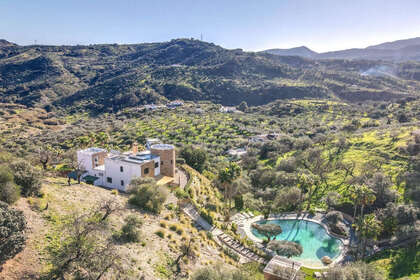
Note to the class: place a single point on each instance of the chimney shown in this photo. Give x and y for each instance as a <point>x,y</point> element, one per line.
<point>135,148</point>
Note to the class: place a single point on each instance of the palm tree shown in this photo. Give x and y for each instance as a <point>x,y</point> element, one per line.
<point>368,228</point>
<point>226,178</point>
<point>362,196</point>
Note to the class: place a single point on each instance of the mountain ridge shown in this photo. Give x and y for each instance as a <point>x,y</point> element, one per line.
<point>111,77</point>
<point>400,50</point>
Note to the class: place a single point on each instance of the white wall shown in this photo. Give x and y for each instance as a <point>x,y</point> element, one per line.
<point>112,170</point>
<point>85,161</point>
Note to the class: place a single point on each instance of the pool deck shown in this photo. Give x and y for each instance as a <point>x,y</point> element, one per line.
<point>245,225</point>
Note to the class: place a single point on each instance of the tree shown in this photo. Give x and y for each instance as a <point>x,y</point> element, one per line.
<point>83,249</point>
<point>357,271</point>
<point>361,196</point>
<point>77,166</point>
<point>268,230</point>
<point>334,217</point>
<point>9,192</point>
<point>288,198</point>
<point>285,248</point>
<point>331,199</point>
<point>226,177</point>
<point>12,232</point>
<point>369,228</point>
<point>146,194</point>
<point>46,154</point>
<point>243,106</point>
<point>194,157</point>
<point>381,185</point>
<point>27,177</point>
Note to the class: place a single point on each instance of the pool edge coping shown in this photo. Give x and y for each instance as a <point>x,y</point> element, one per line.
<point>287,216</point>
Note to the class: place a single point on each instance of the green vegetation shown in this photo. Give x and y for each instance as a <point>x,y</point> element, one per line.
<point>12,233</point>
<point>147,195</point>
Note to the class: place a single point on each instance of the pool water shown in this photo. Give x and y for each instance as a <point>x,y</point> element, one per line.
<point>313,237</point>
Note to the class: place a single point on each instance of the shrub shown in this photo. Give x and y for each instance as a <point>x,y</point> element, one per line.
<point>9,192</point>
<point>160,233</point>
<point>146,194</point>
<point>27,177</point>
<point>114,192</point>
<point>129,231</point>
<point>12,233</point>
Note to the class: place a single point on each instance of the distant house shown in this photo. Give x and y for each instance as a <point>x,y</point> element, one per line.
<point>264,138</point>
<point>174,104</point>
<point>228,109</point>
<point>153,107</point>
<point>281,268</point>
<point>237,153</point>
<point>116,170</point>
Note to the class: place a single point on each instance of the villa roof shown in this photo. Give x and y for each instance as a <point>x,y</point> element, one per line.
<point>282,268</point>
<point>138,158</point>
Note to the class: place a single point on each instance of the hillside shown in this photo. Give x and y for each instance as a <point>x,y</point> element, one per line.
<point>106,78</point>
<point>298,51</point>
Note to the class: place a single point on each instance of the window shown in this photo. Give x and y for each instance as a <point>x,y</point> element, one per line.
<point>95,159</point>
<point>156,164</point>
<point>121,169</point>
<point>122,182</point>
<point>172,161</point>
<point>109,179</point>
<point>146,171</point>
<point>161,163</point>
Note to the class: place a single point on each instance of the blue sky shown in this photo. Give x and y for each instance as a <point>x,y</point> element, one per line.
<point>322,25</point>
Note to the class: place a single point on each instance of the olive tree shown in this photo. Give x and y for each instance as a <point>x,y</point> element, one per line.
<point>9,192</point>
<point>268,230</point>
<point>27,177</point>
<point>12,232</point>
<point>285,248</point>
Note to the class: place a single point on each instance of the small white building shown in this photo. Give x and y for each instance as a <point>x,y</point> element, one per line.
<point>228,109</point>
<point>116,170</point>
<point>237,153</point>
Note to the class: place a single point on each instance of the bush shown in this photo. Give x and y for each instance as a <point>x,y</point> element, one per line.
<point>334,217</point>
<point>160,233</point>
<point>147,195</point>
<point>129,231</point>
<point>12,233</point>
<point>27,177</point>
<point>207,216</point>
<point>9,192</point>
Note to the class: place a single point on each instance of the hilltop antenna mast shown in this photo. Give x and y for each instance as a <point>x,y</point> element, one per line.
<point>201,36</point>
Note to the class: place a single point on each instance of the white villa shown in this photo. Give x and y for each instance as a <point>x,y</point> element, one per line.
<point>116,170</point>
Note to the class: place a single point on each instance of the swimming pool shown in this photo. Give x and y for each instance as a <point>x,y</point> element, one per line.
<point>313,237</point>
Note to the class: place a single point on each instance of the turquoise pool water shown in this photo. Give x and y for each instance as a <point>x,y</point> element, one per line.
<point>313,237</point>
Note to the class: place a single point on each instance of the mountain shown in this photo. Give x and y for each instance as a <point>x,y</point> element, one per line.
<point>299,51</point>
<point>401,50</point>
<point>4,43</point>
<point>396,45</point>
<point>111,77</point>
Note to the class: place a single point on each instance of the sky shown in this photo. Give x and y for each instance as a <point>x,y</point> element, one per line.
<point>253,25</point>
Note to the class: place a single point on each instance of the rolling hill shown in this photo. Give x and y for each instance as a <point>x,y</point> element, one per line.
<point>106,78</point>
